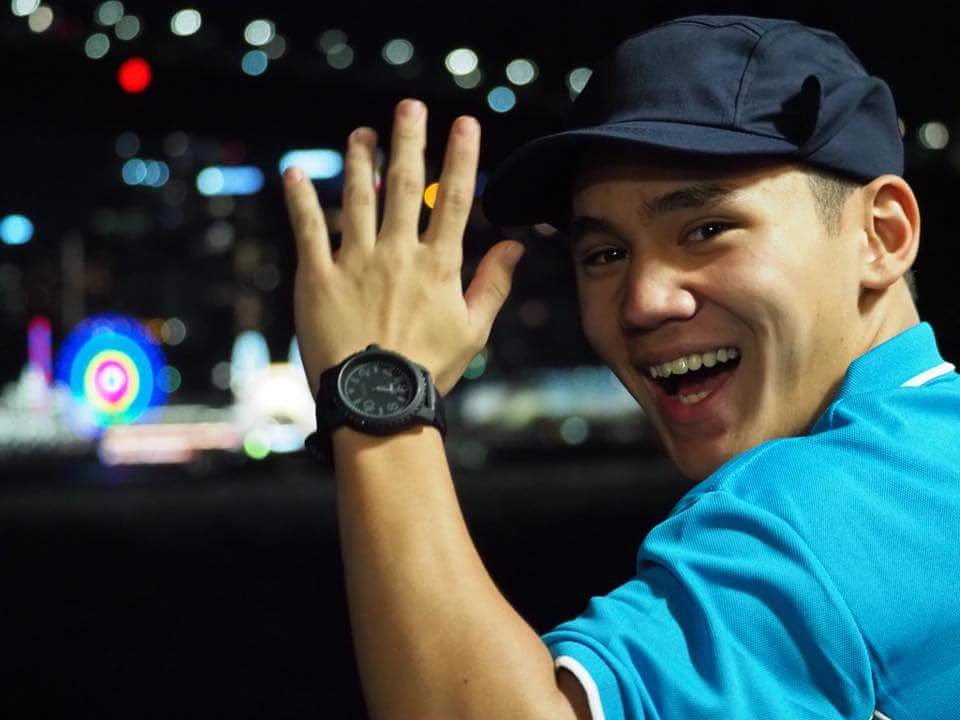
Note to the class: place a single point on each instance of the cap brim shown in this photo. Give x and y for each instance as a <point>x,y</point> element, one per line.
<point>533,184</point>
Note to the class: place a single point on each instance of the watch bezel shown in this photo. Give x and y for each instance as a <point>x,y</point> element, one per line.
<point>358,418</point>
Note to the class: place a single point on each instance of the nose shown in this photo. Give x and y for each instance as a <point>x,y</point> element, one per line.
<point>656,292</point>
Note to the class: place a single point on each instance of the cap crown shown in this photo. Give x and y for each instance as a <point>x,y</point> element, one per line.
<point>723,71</point>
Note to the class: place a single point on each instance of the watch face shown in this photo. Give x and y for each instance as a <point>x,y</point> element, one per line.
<point>378,387</point>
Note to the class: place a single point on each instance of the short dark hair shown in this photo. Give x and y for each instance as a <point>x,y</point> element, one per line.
<point>830,194</point>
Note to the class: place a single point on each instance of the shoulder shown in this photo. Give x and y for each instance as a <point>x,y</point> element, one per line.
<point>857,442</point>
<point>891,417</point>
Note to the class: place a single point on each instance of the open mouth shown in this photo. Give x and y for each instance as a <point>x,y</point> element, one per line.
<point>695,385</point>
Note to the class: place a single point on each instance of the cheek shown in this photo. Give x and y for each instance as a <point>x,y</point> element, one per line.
<point>772,279</point>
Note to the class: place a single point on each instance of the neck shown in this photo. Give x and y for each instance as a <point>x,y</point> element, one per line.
<point>894,312</point>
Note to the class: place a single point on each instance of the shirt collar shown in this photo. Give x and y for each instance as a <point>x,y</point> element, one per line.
<point>908,358</point>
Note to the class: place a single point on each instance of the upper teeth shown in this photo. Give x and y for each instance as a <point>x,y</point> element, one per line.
<point>693,362</point>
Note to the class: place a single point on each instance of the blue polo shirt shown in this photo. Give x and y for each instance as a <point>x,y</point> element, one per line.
<point>809,577</point>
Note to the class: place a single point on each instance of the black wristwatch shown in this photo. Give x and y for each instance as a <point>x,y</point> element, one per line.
<point>374,391</point>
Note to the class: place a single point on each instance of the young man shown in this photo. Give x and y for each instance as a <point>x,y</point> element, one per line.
<point>733,196</point>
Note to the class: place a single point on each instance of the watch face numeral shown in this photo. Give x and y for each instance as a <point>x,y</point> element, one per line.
<point>378,387</point>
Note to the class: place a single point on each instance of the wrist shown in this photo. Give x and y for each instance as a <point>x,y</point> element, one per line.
<point>358,457</point>
<point>348,437</point>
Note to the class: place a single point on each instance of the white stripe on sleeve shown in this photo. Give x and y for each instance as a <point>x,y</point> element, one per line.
<point>593,694</point>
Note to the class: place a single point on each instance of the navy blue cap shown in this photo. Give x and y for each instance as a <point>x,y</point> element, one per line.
<point>715,85</point>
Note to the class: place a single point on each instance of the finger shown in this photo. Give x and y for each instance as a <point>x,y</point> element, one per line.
<point>451,212</point>
<point>306,218</point>
<point>491,285</point>
<point>405,176</point>
<point>359,214</point>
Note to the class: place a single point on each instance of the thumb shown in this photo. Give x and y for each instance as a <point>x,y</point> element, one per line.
<point>492,283</point>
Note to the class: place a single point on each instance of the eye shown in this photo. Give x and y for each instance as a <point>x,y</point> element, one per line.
<point>592,258</point>
<point>722,227</point>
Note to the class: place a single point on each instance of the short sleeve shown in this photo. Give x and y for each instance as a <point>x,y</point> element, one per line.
<point>730,614</point>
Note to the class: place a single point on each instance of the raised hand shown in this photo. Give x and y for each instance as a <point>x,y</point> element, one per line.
<point>396,288</point>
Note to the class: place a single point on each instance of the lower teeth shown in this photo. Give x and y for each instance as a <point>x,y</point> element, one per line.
<point>693,399</point>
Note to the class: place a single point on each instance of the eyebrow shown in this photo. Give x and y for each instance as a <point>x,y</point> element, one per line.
<point>691,197</point>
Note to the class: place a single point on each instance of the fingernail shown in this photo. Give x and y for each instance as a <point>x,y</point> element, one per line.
<point>515,252</point>
<point>466,125</point>
<point>293,174</point>
<point>412,109</point>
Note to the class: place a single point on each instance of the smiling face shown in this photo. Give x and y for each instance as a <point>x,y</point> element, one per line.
<point>681,261</point>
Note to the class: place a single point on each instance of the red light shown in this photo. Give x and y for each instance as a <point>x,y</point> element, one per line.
<point>134,75</point>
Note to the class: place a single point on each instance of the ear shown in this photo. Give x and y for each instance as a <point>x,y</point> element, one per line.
<point>891,231</point>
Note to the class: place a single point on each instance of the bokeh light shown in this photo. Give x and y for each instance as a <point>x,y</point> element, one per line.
<point>110,364</point>
<point>254,62</point>
<point>470,80</point>
<point>169,379</point>
<point>933,135</point>
<point>127,28</point>
<point>135,75</point>
<point>341,58</point>
<point>574,430</point>
<point>108,13</point>
<point>397,51</point>
<point>331,40</point>
<point>186,22</point>
<point>501,99</point>
<point>96,46</point>
<point>40,19</point>
<point>259,32</point>
<point>151,173</point>
<point>430,194</point>
<point>173,331</point>
<point>16,230</point>
<point>256,445</point>
<point>320,164</point>
<point>23,8</point>
<point>220,375</point>
<point>276,48</point>
<point>461,61</point>
<point>134,171</point>
<point>477,365</point>
<point>577,80</point>
<point>158,172</point>
<point>219,237</point>
<point>235,180</point>
<point>521,71</point>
